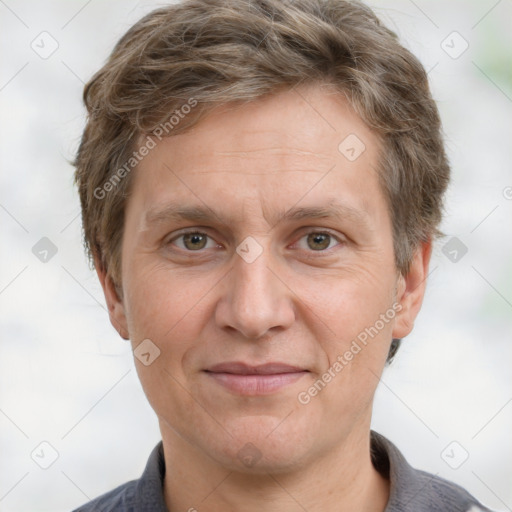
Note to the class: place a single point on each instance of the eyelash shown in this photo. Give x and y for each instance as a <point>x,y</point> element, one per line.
<point>314,231</point>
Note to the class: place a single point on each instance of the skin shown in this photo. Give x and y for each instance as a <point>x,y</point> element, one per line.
<point>204,304</point>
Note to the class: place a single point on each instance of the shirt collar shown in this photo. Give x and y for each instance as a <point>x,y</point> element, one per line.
<point>410,489</point>
<point>150,487</point>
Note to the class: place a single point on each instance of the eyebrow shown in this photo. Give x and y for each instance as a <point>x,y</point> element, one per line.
<point>176,212</point>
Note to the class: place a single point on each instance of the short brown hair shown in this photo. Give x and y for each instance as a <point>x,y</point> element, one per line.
<point>219,51</point>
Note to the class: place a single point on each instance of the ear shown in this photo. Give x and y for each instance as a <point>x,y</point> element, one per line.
<point>411,290</point>
<point>114,302</point>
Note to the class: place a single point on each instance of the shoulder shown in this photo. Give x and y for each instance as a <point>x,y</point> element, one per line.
<point>121,498</point>
<point>416,490</point>
<point>142,495</point>
<point>436,493</point>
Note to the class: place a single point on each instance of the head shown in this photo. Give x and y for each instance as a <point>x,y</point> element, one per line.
<point>240,122</point>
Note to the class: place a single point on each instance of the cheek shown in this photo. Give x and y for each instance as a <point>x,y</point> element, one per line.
<point>162,305</point>
<point>163,308</point>
<point>347,303</point>
<point>360,316</point>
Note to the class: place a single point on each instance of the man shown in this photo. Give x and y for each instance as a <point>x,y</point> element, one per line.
<point>261,184</point>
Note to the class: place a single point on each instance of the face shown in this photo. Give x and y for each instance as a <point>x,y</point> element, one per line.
<point>257,253</point>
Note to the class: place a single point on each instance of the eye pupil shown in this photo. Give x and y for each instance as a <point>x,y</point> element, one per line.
<point>197,240</point>
<point>321,239</point>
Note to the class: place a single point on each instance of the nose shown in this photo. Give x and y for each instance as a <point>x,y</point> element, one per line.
<point>256,298</point>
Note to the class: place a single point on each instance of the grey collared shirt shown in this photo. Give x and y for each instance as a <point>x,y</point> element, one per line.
<point>411,490</point>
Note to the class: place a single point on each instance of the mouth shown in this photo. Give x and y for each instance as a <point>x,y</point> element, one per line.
<point>244,379</point>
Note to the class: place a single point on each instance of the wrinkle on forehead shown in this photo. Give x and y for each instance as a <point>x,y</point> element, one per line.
<point>294,160</point>
<point>278,151</point>
<point>263,173</point>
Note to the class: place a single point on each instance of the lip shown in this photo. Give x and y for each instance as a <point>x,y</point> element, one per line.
<point>245,379</point>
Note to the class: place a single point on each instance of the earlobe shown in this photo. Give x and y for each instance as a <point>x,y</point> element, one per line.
<point>411,290</point>
<point>114,302</point>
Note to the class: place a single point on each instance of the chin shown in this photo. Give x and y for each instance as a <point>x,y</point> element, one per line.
<point>266,444</point>
<point>249,459</point>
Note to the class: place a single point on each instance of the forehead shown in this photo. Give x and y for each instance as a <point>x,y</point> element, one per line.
<point>302,124</point>
<point>267,155</point>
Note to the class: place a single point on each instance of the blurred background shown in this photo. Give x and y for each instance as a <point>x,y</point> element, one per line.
<point>74,422</point>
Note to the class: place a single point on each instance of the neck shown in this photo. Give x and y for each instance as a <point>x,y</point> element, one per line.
<point>342,480</point>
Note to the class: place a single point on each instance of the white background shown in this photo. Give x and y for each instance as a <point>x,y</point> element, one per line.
<point>68,379</point>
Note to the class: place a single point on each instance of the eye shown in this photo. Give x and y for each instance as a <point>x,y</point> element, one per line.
<point>192,241</point>
<point>195,241</point>
<point>318,241</point>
